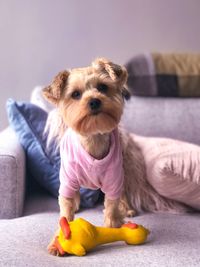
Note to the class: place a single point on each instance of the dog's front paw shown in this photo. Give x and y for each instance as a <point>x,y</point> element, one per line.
<point>54,248</point>
<point>113,222</point>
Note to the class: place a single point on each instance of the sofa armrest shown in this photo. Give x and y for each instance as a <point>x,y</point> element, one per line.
<point>12,175</point>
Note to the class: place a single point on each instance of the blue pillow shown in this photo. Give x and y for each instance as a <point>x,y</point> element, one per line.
<point>28,121</point>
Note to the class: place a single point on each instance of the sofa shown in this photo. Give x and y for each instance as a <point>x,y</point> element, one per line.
<point>29,214</point>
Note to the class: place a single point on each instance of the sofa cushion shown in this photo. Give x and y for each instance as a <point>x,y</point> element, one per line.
<point>173,168</point>
<point>171,75</point>
<point>28,121</point>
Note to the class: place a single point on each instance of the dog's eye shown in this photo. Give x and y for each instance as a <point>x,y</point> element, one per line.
<point>76,94</point>
<point>102,87</point>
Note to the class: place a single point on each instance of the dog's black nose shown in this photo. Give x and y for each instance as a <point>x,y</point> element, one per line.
<point>94,104</point>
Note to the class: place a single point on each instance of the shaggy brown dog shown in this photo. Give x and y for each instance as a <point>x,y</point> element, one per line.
<point>103,85</point>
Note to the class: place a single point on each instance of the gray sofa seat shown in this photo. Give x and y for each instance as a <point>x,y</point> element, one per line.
<point>174,239</point>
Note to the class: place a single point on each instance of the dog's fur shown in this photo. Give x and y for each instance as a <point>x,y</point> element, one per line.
<point>71,91</point>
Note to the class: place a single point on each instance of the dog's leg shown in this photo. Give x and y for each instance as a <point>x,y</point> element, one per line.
<point>68,207</point>
<point>52,249</point>
<point>125,208</point>
<point>112,215</point>
<point>77,200</point>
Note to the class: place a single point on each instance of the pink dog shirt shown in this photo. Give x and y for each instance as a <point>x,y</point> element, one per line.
<point>80,169</point>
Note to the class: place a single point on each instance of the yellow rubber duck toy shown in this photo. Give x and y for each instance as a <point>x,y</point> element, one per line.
<point>79,236</point>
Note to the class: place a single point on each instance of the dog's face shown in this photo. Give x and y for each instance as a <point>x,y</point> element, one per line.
<point>91,99</point>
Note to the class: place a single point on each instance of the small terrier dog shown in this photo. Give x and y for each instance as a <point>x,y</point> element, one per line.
<point>90,104</point>
<point>95,152</point>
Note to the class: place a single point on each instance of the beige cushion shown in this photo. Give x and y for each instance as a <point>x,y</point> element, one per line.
<point>173,168</point>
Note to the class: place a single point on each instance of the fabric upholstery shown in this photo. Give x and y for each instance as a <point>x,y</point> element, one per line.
<point>12,176</point>
<point>164,117</point>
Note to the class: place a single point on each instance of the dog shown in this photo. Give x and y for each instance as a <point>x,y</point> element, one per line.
<point>96,152</point>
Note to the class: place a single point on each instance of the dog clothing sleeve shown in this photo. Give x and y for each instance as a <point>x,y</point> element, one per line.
<point>69,184</point>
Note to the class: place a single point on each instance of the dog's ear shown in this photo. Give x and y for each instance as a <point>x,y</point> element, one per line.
<point>54,91</point>
<point>116,72</point>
